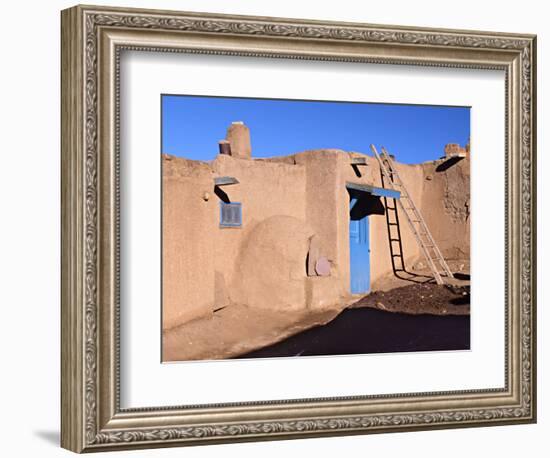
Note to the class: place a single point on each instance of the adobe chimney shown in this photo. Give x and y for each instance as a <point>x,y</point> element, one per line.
<point>238,136</point>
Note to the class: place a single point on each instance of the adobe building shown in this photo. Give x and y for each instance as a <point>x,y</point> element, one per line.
<point>306,231</point>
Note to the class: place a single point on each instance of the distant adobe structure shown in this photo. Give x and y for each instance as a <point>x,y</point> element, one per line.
<point>455,150</point>
<point>278,233</point>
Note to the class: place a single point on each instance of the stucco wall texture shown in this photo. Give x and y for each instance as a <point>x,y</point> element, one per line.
<point>285,202</point>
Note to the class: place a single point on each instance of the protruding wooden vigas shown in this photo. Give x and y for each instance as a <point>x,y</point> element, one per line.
<point>416,221</point>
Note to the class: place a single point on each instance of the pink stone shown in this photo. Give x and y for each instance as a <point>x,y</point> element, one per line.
<point>322,267</point>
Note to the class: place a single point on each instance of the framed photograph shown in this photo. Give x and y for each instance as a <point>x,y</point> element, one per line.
<point>278,228</point>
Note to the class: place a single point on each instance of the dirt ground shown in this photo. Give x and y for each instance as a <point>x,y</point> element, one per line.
<point>236,330</point>
<point>415,291</point>
<point>421,298</point>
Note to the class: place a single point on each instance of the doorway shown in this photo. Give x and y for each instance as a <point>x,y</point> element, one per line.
<point>364,200</point>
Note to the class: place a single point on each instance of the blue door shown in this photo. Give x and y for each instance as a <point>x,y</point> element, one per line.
<point>359,252</point>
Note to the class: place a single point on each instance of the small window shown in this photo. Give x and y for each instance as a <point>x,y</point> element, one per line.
<point>231,214</point>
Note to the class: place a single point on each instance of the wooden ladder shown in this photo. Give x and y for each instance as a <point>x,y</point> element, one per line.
<point>414,217</point>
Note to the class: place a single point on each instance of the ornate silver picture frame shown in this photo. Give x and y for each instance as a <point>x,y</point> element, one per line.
<point>93,39</point>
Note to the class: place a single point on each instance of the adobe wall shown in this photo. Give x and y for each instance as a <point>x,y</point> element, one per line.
<point>285,202</point>
<point>268,192</point>
<point>188,256</point>
<point>446,206</point>
<point>323,181</point>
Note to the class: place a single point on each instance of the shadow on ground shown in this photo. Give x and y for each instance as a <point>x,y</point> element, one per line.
<point>367,330</point>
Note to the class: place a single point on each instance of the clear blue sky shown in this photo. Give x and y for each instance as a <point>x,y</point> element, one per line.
<point>193,125</point>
